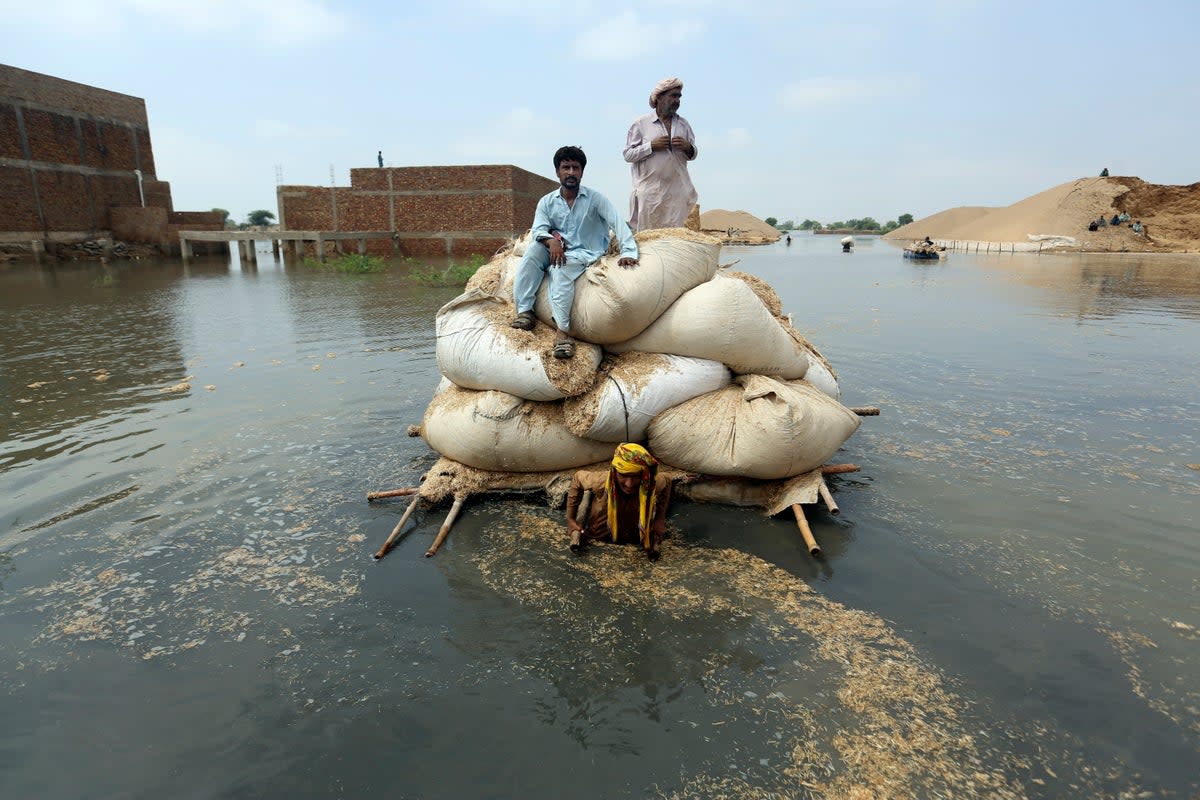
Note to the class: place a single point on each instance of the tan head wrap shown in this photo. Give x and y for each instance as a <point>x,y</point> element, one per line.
<point>666,84</point>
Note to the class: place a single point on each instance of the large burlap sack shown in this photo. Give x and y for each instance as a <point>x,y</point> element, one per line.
<point>758,427</point>
<point>820,372</point>
<point>634,389</point>
<point>504,433</point>
<point>614,303</point>
<point>724,320</point>
<point>478,349</point>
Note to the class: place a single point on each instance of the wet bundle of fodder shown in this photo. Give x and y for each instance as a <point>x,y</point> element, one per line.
<point>700,364</point>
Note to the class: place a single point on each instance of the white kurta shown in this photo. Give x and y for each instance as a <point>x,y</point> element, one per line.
<point>663,194</point>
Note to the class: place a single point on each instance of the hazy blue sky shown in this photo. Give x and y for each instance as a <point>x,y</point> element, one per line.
<point>826,110</point>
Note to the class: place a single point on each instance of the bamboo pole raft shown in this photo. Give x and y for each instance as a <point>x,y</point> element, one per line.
<point>462,482</point>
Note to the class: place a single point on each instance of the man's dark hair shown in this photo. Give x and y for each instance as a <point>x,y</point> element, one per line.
<point>569,153</point>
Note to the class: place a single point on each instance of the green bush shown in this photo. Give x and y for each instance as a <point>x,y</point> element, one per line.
<point>455,274</point>
<point>351,263</point>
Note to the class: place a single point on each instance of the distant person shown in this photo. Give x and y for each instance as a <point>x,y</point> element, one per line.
<point>1102,222</point>
<point>1093,226</point>
<point>1123,217</point>
<point>629,503</point>
<point>1115,221</point>
<point>570,231</point>
<point>928,241</point>
<point>658,148</point>
<point>1137,228</point>
<point>789,239</point>
<point>1104,172</point>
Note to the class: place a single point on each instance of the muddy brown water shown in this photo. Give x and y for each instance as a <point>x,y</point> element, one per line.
<point>1007,604</point>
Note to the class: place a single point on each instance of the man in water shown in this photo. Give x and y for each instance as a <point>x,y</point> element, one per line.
<point>629,504</point>
<point>570,232</point>
<point>658,148</point>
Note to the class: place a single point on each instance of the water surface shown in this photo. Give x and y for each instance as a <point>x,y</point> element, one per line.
<point>188,607</point>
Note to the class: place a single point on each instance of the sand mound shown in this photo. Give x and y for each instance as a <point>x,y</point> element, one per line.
<point>737,227</point>
<point>1171,215</point>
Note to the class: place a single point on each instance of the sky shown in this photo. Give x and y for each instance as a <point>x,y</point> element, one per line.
<point>802,110</point>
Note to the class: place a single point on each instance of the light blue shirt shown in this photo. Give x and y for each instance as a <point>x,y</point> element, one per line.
<point>584,226</point>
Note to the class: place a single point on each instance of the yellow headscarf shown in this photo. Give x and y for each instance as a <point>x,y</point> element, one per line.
<point>632,459</point>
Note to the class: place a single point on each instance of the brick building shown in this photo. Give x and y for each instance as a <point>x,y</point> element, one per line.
<point>76,163</point>
<point>455,211</point>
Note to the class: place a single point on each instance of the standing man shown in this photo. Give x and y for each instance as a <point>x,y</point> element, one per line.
<point>570,232</point>
<point>658,147</point>
<point>379,156</point>
<point>629,504</point>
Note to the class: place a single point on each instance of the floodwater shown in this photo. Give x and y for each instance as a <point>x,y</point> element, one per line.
<point>1007,606</point>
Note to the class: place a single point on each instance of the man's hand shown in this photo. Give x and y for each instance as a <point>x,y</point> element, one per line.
<point>680,143</point>
<point>628,263</point>
<point>558,255</point>
<point>661,143</point>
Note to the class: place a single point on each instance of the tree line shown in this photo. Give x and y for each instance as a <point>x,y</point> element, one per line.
<point>259,218</point>
<point>864,224</point>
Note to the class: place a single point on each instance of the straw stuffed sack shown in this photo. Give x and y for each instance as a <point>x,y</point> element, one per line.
<point>632,389</point>
<point>757,427</point>
<point>614,303</point>
<point>724,320</point>
<point>501,432</point>
<point>478,349</point>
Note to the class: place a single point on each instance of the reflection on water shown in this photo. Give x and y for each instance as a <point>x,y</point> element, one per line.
<point>1007,606</point>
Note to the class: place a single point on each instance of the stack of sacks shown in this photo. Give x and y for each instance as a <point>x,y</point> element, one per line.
<point>700,364</point>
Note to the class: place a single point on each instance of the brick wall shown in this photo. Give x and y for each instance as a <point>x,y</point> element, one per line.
<point>137,224</point>
<point>17,209</point>
<point>456,211</point>
<point>68,154</point>
<point>46,90</point>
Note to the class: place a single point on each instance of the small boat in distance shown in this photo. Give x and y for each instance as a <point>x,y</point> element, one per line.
<point>924,250</point>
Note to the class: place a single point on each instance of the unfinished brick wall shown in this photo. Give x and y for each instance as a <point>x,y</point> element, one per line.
<point>17,208</point>
<point>68,153</point>
<point>457,211</point>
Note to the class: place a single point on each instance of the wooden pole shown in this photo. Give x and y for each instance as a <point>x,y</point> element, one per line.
<point>837,469</point>
<point>459,499</point>
<point>866,411</point>
<point>814,549</point>
<point>393,493</point>
<point>383,551</point>
<point>823,490</point>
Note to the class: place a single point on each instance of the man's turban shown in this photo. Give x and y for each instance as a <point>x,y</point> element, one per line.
<point>665,85</point>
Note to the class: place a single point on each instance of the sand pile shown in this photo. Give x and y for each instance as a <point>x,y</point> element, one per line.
<point>1170,214</point>
<point>737,227</point>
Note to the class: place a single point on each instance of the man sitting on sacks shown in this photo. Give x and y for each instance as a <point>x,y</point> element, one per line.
<point>571,232</point>
<point>629,504</point>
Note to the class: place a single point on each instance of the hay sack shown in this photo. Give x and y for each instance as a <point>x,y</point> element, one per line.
<point>634,388</point>
<point>724,320</point>
<point>614,303</point>
<point>478,349</point>
<point>504,433</point>
<point>758,427</point>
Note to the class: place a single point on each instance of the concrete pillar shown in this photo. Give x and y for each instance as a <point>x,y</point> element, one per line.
<point>38,248</point>
<point>185,248</point>
<point>275,248</point>
<point>321,248</point>
<point>362,247</point>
